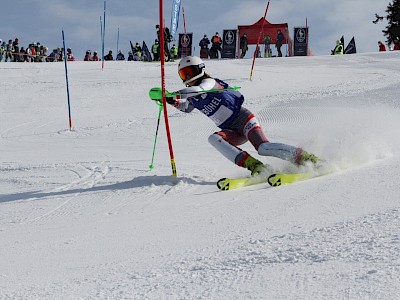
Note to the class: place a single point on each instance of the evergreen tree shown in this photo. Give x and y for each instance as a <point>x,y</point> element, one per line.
<point>392,31</point>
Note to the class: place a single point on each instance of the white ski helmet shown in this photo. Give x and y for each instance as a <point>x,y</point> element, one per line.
<point>190,68</point>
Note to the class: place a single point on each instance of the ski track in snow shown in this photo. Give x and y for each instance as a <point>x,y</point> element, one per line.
<point>83,217</point>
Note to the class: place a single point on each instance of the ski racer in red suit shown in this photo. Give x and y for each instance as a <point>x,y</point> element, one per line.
<point>238,125</point>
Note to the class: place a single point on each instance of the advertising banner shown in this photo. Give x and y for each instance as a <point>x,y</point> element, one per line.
<point>185,44</point>
<point>229,43</point>
<point>300,41</point>
<point>176,7</point>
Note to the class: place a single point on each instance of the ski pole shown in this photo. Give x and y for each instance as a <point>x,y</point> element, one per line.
<point>160,105</point>
<point>66,79</point>
<point>234,88</point>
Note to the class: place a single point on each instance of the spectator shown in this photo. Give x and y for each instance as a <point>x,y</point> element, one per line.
<point>54,56</point>
<point>155,49</point>
<point>204,51</point>
<point>32,51</point>
<point>120,56</point>
<point>16,53</point>
<point>382,46</point>
<point>213,52</point>
<point>216,43</point>
<point>9,50</point>
<point>258,51</point>
<point>267,46</point>
<point>60,54</point>
<point>70,56</point>
<point>23,57</point>
<point>279,42</point>
<point>88,56</point>
<point>109,56</point>
<point>130,56</point>
<point>137,52</point>
<point>174,51</point>
<point>167,39</point>
<point>44,53</point>
<point>244,45</point>
<point>338,48</point>
<point>396,45</point>
<point>2,49</point>
<point>95,56</point>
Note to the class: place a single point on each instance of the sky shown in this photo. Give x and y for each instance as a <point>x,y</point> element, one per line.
<point>42,21</point>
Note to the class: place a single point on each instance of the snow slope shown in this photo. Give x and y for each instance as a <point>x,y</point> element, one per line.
<point>83,217</point>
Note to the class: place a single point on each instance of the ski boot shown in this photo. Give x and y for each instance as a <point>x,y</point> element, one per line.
<point>254,166</point>
<point>306,157</point>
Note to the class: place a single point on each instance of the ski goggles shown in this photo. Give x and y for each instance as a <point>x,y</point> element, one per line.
<point>189,72</point>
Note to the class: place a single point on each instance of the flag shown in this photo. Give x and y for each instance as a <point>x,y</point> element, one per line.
<point>146,56</point>
<point>176,7</point>
<point>351,47</point>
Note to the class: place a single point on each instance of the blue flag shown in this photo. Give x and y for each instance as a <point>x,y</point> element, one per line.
<point>176,7</point>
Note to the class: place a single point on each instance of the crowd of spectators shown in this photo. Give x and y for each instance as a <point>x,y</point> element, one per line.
<point>13,52</point>
<point>36,52</point>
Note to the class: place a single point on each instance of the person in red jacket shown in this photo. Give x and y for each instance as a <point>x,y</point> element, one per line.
<point>396,45</point>
<point>382,46</point>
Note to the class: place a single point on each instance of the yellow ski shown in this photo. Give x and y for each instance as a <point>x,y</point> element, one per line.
<point>282,178</point>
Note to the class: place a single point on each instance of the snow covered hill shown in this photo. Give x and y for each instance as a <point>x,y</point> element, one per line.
<point>83,217</point>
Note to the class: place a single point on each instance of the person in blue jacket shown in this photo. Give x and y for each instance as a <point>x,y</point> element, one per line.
<point>238,124</point>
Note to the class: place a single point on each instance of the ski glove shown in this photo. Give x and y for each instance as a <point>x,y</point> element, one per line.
<point>156,95</point>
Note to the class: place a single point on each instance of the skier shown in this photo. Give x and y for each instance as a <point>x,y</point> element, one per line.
<point>238,125</point>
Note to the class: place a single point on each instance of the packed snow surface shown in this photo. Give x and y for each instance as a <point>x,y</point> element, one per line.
<point>83,217</point>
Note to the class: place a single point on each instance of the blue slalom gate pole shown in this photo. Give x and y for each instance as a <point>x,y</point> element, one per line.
<point>66,79</point>
<point>104,34</point>
<point>101,32</point>
<point>117,40</point>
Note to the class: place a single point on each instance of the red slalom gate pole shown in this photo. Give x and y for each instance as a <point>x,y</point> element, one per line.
<point>184,27</point>
<point>258,41</point>
<point>162,59</point>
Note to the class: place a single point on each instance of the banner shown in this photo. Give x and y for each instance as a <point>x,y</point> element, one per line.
<point>176,7</point>
<point>229,42</point>
<point>300,44</point>
<point>351,47</point>
<point>185,44</point>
